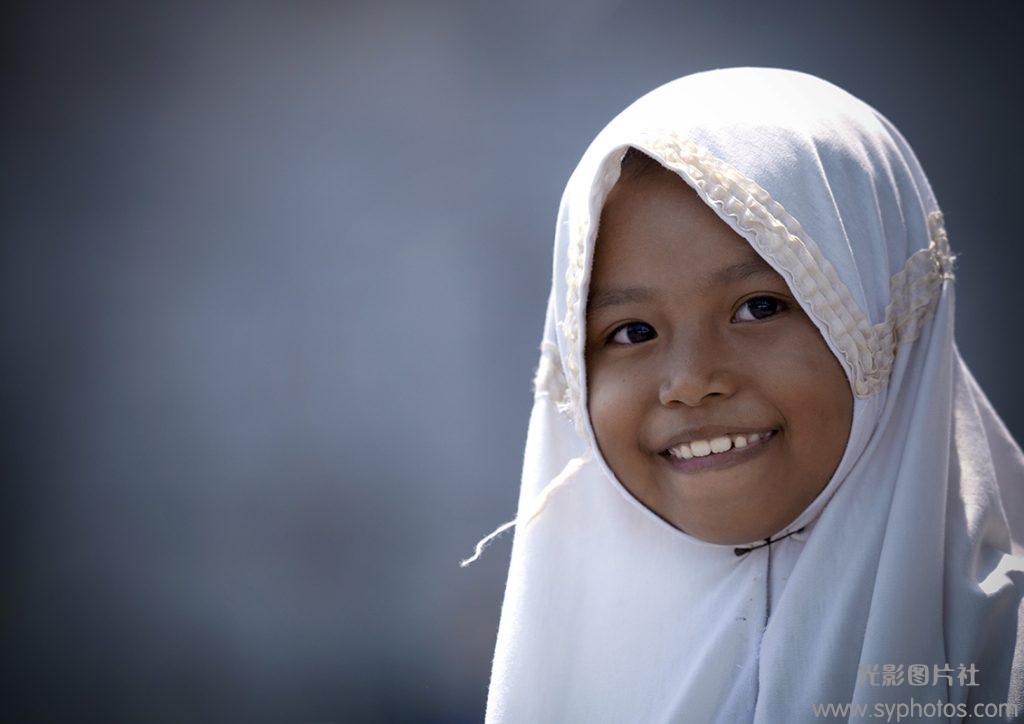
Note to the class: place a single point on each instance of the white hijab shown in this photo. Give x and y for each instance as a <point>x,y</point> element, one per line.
<point>911,555</point>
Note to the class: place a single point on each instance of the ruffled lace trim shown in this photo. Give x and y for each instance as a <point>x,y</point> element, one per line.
<point>570,401</point>
<point>549,380</point>
<point>867,350</point>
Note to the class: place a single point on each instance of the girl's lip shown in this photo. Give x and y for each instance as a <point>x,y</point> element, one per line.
<point>718,461</point>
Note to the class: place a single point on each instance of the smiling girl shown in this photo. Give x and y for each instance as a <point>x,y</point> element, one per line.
<point>713,397</point>
<point>759,479</point>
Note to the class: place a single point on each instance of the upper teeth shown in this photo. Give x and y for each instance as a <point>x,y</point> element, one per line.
<point>700,448</point>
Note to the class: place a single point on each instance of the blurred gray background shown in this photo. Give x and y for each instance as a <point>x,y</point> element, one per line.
<point>273,281</point>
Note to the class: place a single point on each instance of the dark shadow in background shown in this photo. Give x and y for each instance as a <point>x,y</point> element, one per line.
<point>273,283</point>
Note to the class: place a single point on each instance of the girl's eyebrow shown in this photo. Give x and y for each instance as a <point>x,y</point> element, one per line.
<point>601,298</point>
<point>612,297</point>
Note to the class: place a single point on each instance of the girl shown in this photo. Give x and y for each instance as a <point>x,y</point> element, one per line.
<point>760,483</point>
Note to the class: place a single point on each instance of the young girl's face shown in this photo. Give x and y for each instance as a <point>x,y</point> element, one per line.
<point>693,338</point>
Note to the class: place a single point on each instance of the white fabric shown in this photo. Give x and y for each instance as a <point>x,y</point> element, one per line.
<point>910,555</point>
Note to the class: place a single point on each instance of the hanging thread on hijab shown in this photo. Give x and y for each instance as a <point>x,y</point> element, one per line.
<point>767,542</point>
<point>571,468</point>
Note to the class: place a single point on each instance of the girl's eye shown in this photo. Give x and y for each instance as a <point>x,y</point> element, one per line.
<point>759,308</point>
<point>633,333</point>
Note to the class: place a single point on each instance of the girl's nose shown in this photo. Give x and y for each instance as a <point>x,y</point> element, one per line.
<point>695,370</point>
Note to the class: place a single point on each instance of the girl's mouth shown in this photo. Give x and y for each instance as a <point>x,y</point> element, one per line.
<point>717,453</point>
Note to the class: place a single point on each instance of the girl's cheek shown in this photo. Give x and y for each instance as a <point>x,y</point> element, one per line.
<point>799,368</point>
<point>601,399</point>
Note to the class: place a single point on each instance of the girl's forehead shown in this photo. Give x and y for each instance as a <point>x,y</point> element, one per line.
<point>657,231</point>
